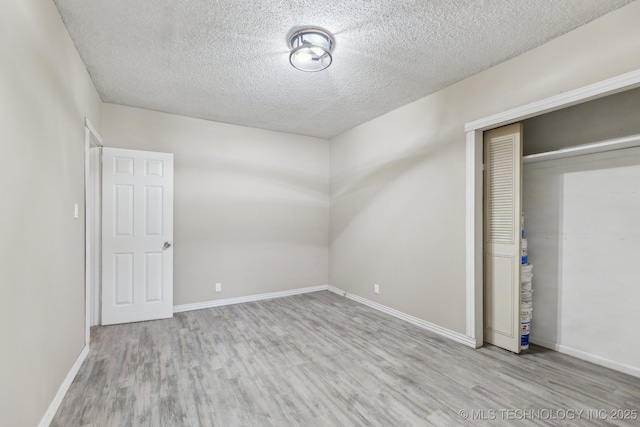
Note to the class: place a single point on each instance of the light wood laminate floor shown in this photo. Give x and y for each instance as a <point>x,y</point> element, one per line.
<point>321,359</point>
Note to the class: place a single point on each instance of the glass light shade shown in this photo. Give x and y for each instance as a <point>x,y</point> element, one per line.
<point>311,49</point>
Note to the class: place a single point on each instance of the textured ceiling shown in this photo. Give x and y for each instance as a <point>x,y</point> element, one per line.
<point>228,60</point>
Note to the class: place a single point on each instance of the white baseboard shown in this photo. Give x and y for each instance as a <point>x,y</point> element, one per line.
<point>598,360</point>
<point>250,298</point>
<point>455,336</point>
<point>64,387</point>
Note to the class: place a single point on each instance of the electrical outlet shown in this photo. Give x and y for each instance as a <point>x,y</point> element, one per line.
<point>218,287</point>
<point>376,288</point>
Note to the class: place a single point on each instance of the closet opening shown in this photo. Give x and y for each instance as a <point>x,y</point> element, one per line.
<point>581,204</point>
<point>593,132</point>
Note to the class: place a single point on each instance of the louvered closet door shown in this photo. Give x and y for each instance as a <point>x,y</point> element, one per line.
<point>502,161</point>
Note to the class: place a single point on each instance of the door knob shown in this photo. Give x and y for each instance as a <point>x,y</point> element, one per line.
<point>167,245</point>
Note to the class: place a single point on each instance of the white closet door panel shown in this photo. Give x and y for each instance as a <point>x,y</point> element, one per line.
<point>503,159</point>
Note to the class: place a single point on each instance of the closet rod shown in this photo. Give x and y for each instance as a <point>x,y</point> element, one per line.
<point>579,150</point>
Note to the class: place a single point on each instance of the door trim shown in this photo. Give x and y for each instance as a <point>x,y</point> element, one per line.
<point>474,189</point>
<point>90,134</point>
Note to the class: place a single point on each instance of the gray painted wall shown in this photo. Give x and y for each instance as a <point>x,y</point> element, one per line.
<point>251,206</point>
<point>45,94</point>
<point>398,182</point>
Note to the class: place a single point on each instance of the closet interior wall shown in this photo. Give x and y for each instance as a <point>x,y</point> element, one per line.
<point>583,233</point>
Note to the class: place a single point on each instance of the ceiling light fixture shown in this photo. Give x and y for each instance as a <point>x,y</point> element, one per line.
<point>311,49</point>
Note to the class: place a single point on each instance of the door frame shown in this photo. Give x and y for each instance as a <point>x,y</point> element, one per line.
<point>91,137</point>
<point>474,219</point>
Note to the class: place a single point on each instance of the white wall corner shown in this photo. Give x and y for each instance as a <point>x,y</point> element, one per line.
<point>337,291</point>
<point>64,387</point>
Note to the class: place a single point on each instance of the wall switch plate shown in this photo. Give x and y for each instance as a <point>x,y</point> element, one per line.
<point>218,287</point>
<point>376,288</point>
<point>76,211</point>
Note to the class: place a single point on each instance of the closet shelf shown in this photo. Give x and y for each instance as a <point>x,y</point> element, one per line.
<point>579,150</point>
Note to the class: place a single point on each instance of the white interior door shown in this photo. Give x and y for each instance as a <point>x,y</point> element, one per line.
<point>503,164</point>
<point>137,236</point>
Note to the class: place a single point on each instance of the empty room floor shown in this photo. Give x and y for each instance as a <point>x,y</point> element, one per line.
<point>320,359</point>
